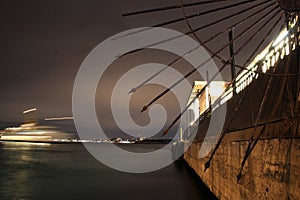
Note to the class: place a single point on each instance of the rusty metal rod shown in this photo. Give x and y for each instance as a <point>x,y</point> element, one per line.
<point>205,13</point>
<point>222,68</point>
<point>206,61</point>
<point>152,10</point>
<point>245,10</point>
<point>228,28</point>
<point>263,40</point>
<point>239,22</point>
<point>193,31</point>
<point>187,33</point>
<point>229,17</point>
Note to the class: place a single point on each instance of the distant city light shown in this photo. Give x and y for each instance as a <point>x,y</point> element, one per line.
<point>29,110</point>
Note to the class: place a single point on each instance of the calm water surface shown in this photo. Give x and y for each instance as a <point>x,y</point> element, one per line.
<point>67,171</point>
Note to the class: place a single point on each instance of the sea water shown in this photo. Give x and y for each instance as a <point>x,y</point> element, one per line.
<point>68,171</point>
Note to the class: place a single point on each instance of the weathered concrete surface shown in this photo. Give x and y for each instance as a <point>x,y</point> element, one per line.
<point>272,170</point>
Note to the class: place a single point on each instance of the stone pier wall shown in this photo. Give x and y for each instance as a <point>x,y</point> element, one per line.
<point>272,170</point>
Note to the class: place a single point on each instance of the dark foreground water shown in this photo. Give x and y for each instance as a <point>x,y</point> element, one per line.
<point>67,171</point>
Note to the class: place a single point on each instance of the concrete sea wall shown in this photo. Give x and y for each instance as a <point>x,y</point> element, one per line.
<point>272,171</point>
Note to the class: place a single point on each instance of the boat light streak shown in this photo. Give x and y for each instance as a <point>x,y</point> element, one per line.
<point>29,110</point>
<point>59,118</point>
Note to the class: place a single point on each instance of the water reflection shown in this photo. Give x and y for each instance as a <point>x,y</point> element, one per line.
<point>22,145</point>
<point>67,171</point>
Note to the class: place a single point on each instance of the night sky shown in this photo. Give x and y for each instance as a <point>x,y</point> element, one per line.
<point>43,44</point>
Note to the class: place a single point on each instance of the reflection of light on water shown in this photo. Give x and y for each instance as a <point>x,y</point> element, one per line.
<point>19,182</point>
<point>23,145</point>
<point>23,153</point>
<point>18,163</point>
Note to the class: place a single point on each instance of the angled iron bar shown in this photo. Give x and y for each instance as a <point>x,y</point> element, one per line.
<point>205,13</point>
<point>205,62</point>
<point>177,59</point>
<point>257,32</point>
<point>207,164</point>
<point>163,69</point>
<point>173,38</point>
<point>230,30</point>
<point>298,61</point>
<point>249,150</point>
<point>237,108</point>
<point>222,68</point>
<point>193,31</point>
<point>152,10</point>
<point>253,142</point>
<point>257,72</point>
<point>231,50</point>
<point>213,37</point>
<point>239,22</point>
<point>246,10</point>
<point>251,57</point>
<point>229,17</point>
<point>198,94</point>
<point>194,34</point>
